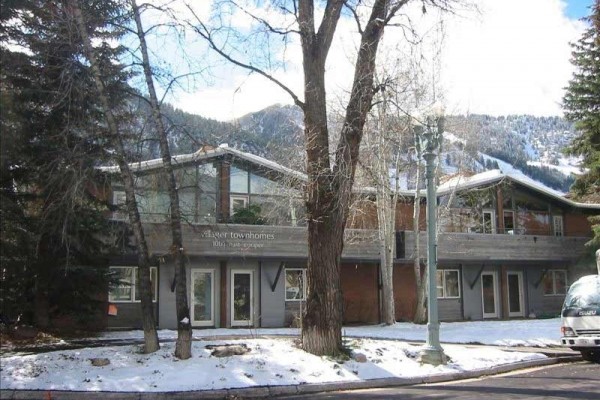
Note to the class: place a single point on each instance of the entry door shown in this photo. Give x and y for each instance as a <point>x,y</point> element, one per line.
<point>241,298</point>
<point>515,294</point>
<point>489,294</point>
<point>202,297</point>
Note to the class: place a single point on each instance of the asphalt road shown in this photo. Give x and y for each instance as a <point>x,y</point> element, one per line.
<point>580,380</point>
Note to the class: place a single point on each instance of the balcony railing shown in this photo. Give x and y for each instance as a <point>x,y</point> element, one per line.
<point>498,247</point>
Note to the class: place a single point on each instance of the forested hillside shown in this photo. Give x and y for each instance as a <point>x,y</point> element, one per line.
<point>531,144</point>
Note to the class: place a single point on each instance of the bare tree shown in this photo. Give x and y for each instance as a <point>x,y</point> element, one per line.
<point>420,316</point>
<point>183,346</point>
<point>149,325</point>
<point>330,173</point>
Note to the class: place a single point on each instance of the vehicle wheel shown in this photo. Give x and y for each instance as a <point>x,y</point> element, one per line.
<point>591,355</point>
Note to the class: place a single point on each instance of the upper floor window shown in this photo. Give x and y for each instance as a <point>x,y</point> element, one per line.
<point>196,187</point>
<point>238,180</point>
<point>489,222</point>
<point>262,185</point>
<point>295,284</point>
<point>558,225</point>
<point>448,286</point>
<point>237,203</point>
<point>127,288</point>
<point>509,222</point>
<point>555,282</point>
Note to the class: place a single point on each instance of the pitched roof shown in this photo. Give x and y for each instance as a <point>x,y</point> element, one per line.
<point>206,153</point>
<point>461,183</point>
<point>458,183</point>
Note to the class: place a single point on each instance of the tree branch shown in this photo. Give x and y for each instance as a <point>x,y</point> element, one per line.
<point>328,26</point>
<point>203,31</point>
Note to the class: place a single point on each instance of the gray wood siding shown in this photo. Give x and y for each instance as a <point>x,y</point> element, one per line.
<point>271,302</point>
<point>450,309</point>
<point>472,247</point>
<point>256,241</point>
<point>539,303</point>
<point>472,297</point>
<point>167,311</point>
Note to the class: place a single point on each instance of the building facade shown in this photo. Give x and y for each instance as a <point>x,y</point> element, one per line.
<point>506,247</point>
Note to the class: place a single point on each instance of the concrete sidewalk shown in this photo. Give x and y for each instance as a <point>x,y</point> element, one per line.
<point>555,355</point>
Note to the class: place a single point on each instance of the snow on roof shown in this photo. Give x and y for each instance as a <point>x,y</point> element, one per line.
<point>463,183</point>
<point>458,183</point>
<point>206,153</point>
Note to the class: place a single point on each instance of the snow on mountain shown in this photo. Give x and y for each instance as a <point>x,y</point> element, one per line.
<point>566,165</point>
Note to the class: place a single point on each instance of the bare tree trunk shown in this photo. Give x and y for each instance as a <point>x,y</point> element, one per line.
<point>329,187</point>
<point>386,208</point>
<point>183,346</point>
<point>420,274</point>
<point>329,184</point>
<point>150,335</point>
<point>387,263</point>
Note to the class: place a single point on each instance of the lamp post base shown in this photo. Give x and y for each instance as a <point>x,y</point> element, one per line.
<point>432,356</point>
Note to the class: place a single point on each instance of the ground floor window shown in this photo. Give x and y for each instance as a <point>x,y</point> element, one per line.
<point>128,282</point>
<point>447,284</point>
<point>295,284</point>
<point>555,282</point>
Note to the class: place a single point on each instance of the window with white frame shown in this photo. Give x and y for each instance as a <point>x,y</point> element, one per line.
<point>555,282</point>
<point>295,284</point>
<point>448,286</point>
<point>489,221</point>
<point>126,290</point>
<point>238,203</point>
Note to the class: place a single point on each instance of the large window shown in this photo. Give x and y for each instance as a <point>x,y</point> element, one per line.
<point>126,289</point>
<point>295,284</point>
<point>196,186</point>
<point>279,203</point>
<point>555,282</point>
<point>238,180</point>
<point>448,286</point>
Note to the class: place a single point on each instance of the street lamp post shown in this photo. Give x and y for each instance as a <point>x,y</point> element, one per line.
<point>429,140</point>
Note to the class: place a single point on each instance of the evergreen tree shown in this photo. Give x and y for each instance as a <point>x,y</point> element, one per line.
<point>582,106</point>
<point>52,257</point>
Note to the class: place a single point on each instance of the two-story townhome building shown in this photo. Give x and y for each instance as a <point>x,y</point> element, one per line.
<point>506,246</point>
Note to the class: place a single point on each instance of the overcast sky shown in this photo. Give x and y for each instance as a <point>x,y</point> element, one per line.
<point>510,58</point>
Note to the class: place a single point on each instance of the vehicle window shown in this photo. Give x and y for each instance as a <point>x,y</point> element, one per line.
<point>583,294</point>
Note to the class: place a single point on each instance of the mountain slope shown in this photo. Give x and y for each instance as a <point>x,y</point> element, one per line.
<point>476,143</point>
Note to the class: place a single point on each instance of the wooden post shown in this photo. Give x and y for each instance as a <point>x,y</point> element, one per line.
<point>504,291</point>
<point>223,289</point>
<point>223,172</point>
<point>500,210</point>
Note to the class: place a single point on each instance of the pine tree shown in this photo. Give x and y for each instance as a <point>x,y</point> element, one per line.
<point>582,106</point>
<point>50,148</point>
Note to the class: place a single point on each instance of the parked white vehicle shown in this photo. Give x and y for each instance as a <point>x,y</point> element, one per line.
<point>581,317</point>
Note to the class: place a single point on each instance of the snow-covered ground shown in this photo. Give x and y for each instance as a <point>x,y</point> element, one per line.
<point>534,332</point>
<point>273,360</point>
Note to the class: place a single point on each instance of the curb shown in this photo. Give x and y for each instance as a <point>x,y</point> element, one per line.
<point>271,391</point>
